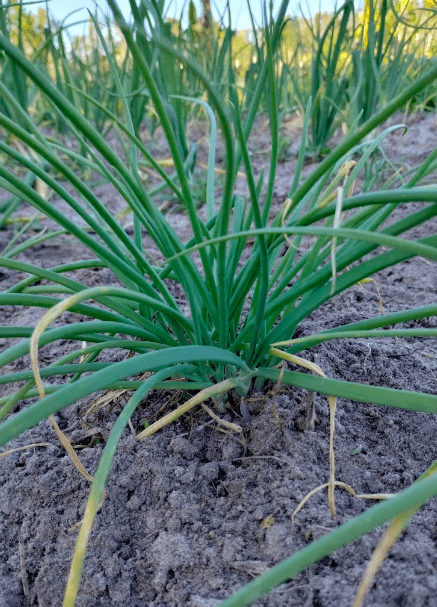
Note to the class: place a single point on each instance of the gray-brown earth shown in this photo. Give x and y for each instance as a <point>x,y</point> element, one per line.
<point>192,514</point>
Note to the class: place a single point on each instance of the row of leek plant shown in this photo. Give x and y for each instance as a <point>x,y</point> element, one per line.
<point>243,309</point>
<point>357,62</point>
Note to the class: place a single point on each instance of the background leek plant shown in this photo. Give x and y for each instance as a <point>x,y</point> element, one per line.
<point>351,63</point>
<point>245,303</point>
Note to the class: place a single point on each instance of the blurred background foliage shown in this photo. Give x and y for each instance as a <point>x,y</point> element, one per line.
<point>350,62</point>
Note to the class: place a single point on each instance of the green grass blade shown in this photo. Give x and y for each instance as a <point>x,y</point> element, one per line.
<point>389,397</point>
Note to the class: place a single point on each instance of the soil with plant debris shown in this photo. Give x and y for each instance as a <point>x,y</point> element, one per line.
<point>194,513</point>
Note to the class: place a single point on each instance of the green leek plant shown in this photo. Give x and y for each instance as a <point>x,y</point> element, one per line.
<point>359,61</point>
<point>245,303</point>
<point>388,53</point>
<point>329,80</point>
<point>417,47</point>
<point>11,75</point>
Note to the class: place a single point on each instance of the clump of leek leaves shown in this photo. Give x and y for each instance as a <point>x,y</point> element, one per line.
<point>244,310</point>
